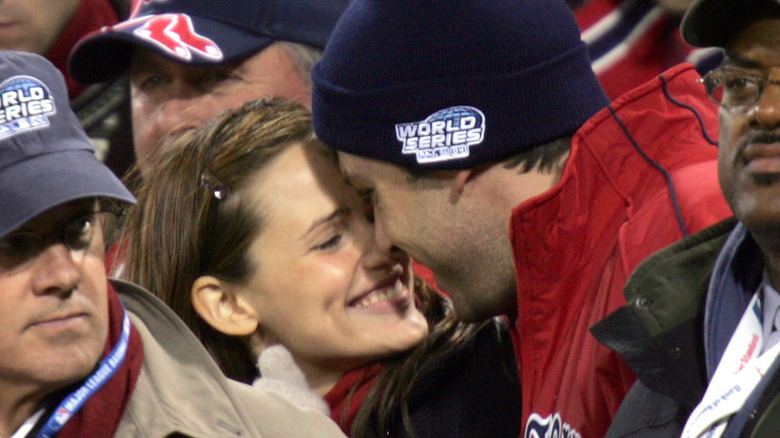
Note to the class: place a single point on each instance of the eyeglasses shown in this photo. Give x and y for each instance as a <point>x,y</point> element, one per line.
<point>20,248</point>
<point>734,88</point>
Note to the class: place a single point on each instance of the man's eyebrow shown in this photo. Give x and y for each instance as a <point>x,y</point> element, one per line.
<point>740,61</point>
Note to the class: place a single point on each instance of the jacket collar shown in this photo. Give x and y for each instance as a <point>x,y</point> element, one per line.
<point>736,277</point>
<point>658,332</point>
<point>177,368</point>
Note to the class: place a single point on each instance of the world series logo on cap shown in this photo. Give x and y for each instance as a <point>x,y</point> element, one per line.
<point>25,103</point>
<point>445,135</point>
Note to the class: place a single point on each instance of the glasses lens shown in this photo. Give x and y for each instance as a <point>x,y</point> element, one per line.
<point>79,236</point>
<point>715,91</point>
<point>734,89</point>
<point>18,248</point>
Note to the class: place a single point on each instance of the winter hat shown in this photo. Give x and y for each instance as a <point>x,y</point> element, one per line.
<point>713,22</point>
<point>450,84</point>
<point>46,159</point>
<point>202,32</point>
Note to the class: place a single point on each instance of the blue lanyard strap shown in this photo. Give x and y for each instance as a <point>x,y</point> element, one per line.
<point>76,399</point>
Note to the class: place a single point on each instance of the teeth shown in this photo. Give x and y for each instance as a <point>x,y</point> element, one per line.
<point>388,293</point>
<point>396,291</point>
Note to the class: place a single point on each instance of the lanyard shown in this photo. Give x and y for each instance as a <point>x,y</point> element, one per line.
<point>739,371</point>
<point>75,400</point>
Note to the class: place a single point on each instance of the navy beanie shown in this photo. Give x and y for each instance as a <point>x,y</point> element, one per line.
<point>450,84</point>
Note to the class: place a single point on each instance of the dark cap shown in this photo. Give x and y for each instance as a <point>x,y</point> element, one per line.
<point>202,32</point>
<point>46,159</point>
<point>712,23</point>
<point>451,84</point>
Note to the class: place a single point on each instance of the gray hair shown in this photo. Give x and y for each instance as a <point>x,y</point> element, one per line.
<point>303,57</point>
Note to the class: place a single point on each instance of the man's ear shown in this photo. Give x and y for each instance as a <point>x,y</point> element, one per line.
<point>460,180</point>
<point>219,305</point>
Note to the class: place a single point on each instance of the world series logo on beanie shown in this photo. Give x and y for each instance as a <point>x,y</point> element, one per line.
<point>25,103</point>
<point>447,134</point>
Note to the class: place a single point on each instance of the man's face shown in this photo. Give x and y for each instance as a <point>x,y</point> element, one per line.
<point>462,241</point>
<point>168,96</point>
<point>53,304</point>
<point>749,154</point>
<point>33,25</point>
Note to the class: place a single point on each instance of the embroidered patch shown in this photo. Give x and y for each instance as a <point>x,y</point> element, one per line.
<point>174,34</point>
<point>25,104</point>
<point>549,427</point>
<point>447,134</point>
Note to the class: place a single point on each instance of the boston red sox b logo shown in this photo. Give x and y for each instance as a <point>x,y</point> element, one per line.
<point>175,34</point>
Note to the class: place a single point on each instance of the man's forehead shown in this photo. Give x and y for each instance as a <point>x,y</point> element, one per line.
<point>756,46</point>
<point>360,171</point>
<point>346,165</point>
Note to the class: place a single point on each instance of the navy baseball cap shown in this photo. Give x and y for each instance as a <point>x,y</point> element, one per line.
<point>202,32</point>
<point>712,23</point>
<point>46,159</point>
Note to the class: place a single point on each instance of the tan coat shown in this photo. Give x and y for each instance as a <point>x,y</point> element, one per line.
<point>181,390</point>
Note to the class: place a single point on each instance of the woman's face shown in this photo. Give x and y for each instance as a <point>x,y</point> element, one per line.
<point>320,284</point>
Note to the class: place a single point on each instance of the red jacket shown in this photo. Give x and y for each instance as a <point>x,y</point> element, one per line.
<point>576,244</point>
<point>633,41</point>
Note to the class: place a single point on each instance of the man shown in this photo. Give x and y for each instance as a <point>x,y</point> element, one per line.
<point>700,330</point>
<point>51,28</point>
<point>80,356</point>
<point>481,133</point>
<point>189,60</point>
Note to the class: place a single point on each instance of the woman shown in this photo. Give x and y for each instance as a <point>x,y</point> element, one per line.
<point>249,232</point>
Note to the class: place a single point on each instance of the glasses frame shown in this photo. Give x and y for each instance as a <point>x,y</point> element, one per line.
<point>32,244</point>
<point>715,78</point>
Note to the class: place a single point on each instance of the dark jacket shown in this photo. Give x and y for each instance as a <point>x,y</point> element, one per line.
<point>104,112</point>
<point>684,304</point>
<point>470,392</point>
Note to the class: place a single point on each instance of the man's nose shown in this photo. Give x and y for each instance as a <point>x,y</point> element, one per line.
<point>765,114</point>
<point>57,271</point>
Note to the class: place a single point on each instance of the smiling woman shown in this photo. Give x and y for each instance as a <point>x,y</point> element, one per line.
<point>249,232</point>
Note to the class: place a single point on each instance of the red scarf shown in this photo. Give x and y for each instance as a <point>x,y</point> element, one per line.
<point>344,403</point>
<point>100,415</point>
<point>91,16</point>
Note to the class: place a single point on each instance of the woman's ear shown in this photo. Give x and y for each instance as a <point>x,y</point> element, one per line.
<point>222,308</point>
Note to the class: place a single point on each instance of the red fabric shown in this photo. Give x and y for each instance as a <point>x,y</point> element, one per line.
<point>426,275</point>
<point>91,15</point>
<point>115,258</point>
<point>344,404</point>
<point>645,55</point>
<point>591,11</point>
<point>100,415</point>
<point>576,245</point>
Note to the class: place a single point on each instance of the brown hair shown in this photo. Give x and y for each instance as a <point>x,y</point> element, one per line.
<point>189,221</point>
